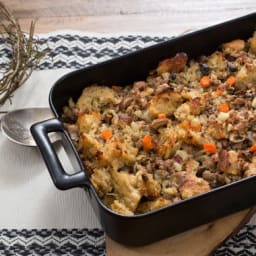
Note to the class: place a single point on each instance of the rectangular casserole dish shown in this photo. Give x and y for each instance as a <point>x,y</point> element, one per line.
<point>148,227</point>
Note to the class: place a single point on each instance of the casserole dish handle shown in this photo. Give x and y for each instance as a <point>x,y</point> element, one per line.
<point>60,177</point>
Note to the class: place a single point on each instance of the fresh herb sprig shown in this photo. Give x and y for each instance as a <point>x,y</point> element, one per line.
<point>25,53</point>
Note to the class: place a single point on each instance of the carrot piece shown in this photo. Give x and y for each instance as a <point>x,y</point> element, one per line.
<point>161,115</point>
<point>186,124</point>
<point>224,107</point>
<point>231,81</point>
<point>205,81</point>
<point>252,149</point>
<point>106,134</point>
<point>219,92</point>
<point>147,142</point>
<point>210,148</point>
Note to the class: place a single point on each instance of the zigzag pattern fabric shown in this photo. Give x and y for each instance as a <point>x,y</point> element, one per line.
<point>89,242</point>
<point>77,51</point>
<point>242,244</point>
<point>73,51</point>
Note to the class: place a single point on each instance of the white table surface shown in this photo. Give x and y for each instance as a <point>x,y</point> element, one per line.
<point>28,196</point>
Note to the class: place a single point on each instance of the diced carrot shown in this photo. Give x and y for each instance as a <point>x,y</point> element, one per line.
<point>147,142</point>
<point>223,107</point>
<point>252,149</point>
<point>185,125</point>
<point>219,91</point>
<point>210,148</point>
<point>205,81</point>
<point>106,134</point>
<point>161,115</point>
<point>231,81</point>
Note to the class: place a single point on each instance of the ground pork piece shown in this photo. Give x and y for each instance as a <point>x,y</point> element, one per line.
<point>95,97</point>
<point>174,64</point>
<point>164,103</point>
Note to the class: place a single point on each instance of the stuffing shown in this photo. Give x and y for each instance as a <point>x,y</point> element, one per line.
<point>189,127</point>
<point>94,97</point>
<point>125,187</point>
<point>252,43</point>
<point>189,185</point>
<point>174,64</point>
<point>102,181</point>
<point>164,103</point>
<point>87,123</point>
<point>251,168</point>
<point>246,76</point>
<point>234,46</point>
<point>152,205</point>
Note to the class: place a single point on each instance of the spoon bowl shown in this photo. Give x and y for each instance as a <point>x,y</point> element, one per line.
<point>16,124</point>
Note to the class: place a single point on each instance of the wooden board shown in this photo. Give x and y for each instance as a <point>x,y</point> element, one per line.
<point>198,241</point>
<point>121,16</point>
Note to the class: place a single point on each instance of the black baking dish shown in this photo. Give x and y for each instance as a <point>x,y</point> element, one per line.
<point>158,224</point>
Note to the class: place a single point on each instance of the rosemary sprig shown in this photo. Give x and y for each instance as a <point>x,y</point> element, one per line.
<point>25,53</point>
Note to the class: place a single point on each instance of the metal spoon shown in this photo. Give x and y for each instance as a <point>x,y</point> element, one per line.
<point>16,124</point>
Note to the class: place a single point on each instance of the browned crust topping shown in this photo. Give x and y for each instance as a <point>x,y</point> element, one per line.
<point>187,129</point>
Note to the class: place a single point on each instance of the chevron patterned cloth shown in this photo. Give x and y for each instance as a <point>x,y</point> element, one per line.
<point>52,242</point>
<point>71,50</point>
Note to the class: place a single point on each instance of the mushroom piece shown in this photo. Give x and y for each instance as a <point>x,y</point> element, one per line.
<point>157,123</point>
<point>236,137</point>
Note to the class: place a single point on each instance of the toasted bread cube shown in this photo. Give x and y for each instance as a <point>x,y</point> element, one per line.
<point>174,64</point>
<point>95,97</point>
<point>164,103</point>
